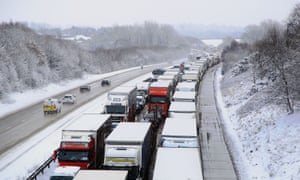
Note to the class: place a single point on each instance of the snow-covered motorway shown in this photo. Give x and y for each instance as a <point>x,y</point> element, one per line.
<point>19,126</point>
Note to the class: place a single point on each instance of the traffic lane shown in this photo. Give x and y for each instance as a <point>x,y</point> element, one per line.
<point>21,125</point>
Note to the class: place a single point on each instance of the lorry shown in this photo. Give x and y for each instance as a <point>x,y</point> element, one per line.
<point>82,142</point>
<point>180,133</point>
<point>130,147</point>
<point>159,97</point>
<point>178,164</point>
<point>52,105</point>
<point>121,104</point>
<point>101,174</point>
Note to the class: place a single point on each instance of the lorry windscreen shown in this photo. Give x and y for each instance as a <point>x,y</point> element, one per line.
<point>115,109</point>
<point>73,156</point>
<point>158,99</point>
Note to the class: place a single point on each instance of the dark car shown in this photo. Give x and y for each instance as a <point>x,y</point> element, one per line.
<point>105,82</point>
<point>158,71</point>
<point>84,88</point>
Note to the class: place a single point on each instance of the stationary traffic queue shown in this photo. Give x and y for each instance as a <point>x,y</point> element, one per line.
<point>116,140</point>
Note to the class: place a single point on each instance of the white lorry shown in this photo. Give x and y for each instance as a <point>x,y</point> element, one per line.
<point>82,142</point>
<point>129,147</point>
<point>121,104</point>
<point>180,133</point>
<point>178,164</point>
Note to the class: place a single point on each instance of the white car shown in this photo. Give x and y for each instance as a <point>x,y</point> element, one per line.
<point>69,98</point>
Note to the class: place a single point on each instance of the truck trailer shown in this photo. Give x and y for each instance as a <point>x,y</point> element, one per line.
<point>129,147</point>
<point>101,174</point>
<point>178,164</point>
<point>180,133</point>
<point>82,143</point>
<point>121,104</point>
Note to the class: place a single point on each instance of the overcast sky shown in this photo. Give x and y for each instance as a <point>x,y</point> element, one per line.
<point>99,13</point>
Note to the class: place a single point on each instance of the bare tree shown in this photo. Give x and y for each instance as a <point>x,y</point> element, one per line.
<point>273,61</point>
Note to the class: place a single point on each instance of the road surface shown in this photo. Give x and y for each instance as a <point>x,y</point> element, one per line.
<point>216,161</point>
<point>19,126</point>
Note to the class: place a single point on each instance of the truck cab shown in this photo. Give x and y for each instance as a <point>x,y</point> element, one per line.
<point>121,104</point>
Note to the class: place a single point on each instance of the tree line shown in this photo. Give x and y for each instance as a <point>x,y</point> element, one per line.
<point>30,60</point>
<point>274,55</point>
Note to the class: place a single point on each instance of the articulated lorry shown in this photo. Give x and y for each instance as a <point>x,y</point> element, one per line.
<point>82,143</point>
<point>129,147</point>
<point>121,104</point>
<point>159,97</point>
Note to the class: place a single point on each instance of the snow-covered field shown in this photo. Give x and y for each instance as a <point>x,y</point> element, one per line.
<point>263,138</point>
<point>19,162</point>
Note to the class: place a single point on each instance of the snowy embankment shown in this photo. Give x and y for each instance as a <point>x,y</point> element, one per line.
<point>264,140</point>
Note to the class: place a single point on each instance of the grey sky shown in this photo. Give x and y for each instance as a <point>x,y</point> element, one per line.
<point>110,12</point>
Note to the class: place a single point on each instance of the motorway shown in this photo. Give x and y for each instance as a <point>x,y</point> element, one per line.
<point>21,125</point>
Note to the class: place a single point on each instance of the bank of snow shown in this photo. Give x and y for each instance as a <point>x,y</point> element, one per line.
<point>263,138</point>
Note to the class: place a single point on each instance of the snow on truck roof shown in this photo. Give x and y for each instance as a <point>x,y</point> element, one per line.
<point>180,127</point>
<point>66,171</point>
<point>88,122</point>
<point>182,107</point>
<point>178,164</point>
<point>160,84</point>
<point>129,132</point>
<point>183,95</point>
<point>122,90</point>
<point>101,174</point>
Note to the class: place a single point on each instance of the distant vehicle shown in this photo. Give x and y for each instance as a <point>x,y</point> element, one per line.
<point>69,98</point>
<point>52,105</point>
<point>158,71</point>
<point>84,88</point>
<point>105,82</point>
<point>150,79</point>
<point>65,172</point>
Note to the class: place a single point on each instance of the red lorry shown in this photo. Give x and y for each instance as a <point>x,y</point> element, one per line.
<point>159,97</point>
<point>82,143</point>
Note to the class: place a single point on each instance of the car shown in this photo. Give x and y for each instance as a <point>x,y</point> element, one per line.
<point>69,99</point>
<point>158,71</point>
<point>84,88</point>
<point>105,82</point>
<point>51,105</point>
